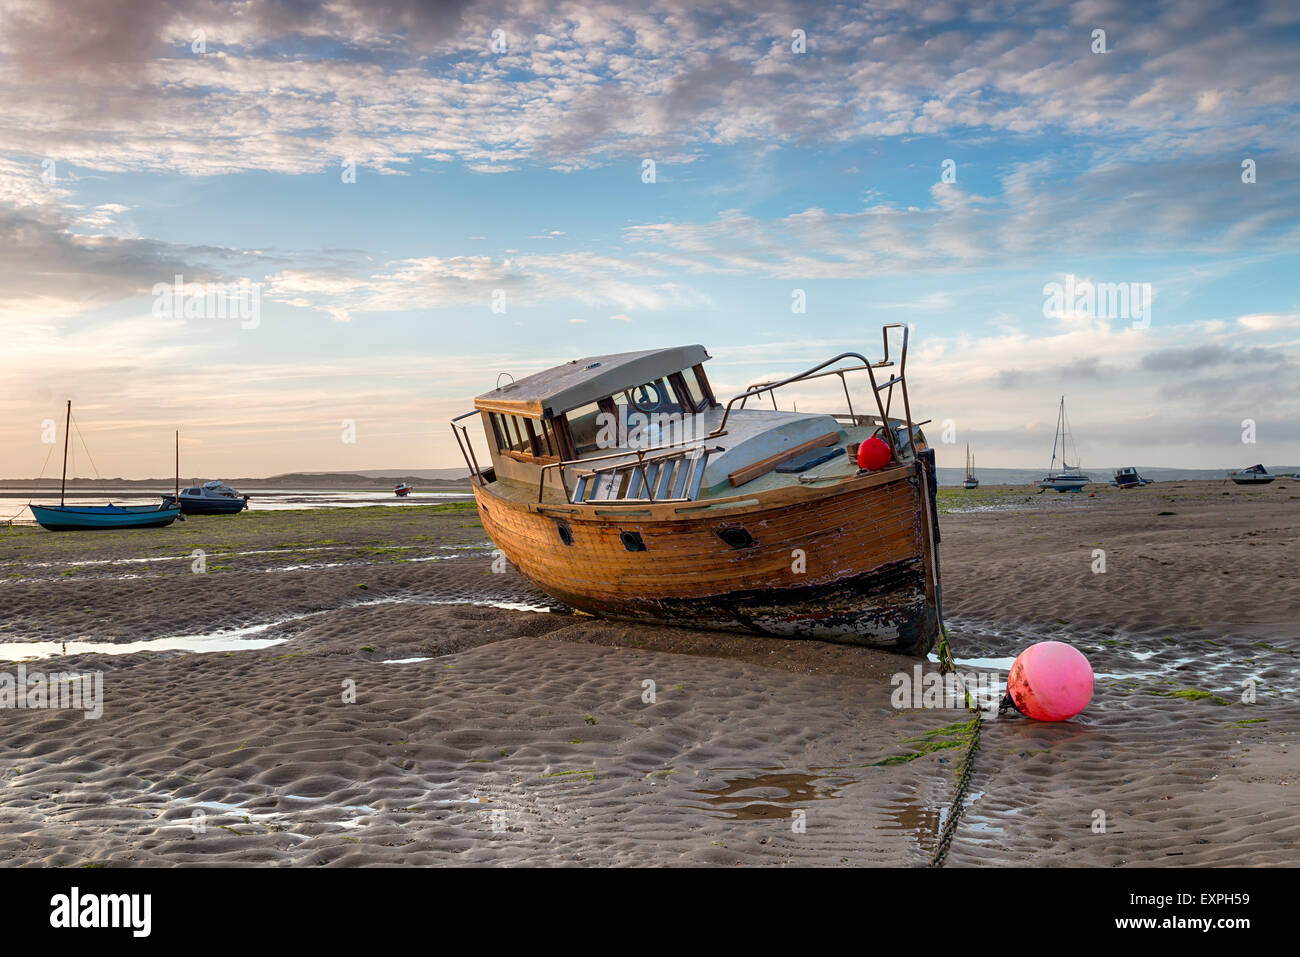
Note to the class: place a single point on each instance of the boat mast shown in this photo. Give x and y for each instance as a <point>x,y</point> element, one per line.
<point>67,423</point>
<point>178,468</point>
<point>1051,469</point>
<point>1066,441</point>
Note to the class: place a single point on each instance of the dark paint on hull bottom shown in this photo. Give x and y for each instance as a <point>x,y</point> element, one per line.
<point>885,608</point>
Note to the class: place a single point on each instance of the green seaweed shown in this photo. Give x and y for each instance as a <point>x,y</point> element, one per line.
<point>1193,694</point>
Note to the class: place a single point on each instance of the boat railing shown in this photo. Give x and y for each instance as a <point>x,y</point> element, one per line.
<point>467,447</point>
<point>643,458</point>
<point>883,405</point>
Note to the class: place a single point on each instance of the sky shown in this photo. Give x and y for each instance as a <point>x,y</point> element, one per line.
<point>420,196</point>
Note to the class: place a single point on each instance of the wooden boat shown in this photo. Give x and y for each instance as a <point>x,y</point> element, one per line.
<point>403,489</point>
<point>63,517</point>
<point>971,481</point>
<point>210,498</point>
<point>713,516</point>
<point>1069,479</point>
<point>1255,475</point>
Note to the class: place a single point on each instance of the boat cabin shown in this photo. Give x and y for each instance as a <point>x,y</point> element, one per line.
<point>555,414</point>
<point>647,426</point>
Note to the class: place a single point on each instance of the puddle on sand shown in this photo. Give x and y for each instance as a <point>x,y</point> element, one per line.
<point>233,639</point>
<point>223,639</point>
<point>765,796</point>
<point>920,820</point>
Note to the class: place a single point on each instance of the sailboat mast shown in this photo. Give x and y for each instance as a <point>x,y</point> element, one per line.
<point>1051,469</point>
<point>67,423</point>
<point>178,466</point>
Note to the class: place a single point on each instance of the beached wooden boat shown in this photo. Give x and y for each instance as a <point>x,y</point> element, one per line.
<point>1069,479</point>
<point>970,481</point>
<point>621,486</point>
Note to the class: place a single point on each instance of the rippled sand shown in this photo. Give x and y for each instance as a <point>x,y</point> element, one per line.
<point>480,734</point>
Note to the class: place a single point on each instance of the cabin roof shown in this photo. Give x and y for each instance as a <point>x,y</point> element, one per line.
<point>564,387</point>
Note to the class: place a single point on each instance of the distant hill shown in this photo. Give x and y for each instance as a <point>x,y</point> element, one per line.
<point>991,476</point>
<point>287,480</point>
<point>451,474</point>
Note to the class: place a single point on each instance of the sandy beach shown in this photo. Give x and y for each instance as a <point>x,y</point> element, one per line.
<point>376,693</point>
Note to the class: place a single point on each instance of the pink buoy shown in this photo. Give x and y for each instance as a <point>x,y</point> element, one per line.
<point>1050,681</point>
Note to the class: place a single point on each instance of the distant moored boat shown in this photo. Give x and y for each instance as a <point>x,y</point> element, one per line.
<point>66,518</point>
<point>402,490</point>
<point>210,498</point>
<point>1255,475</point>
<point>971,481</point>
<point>1128,477</point>
<point>1069,479</point>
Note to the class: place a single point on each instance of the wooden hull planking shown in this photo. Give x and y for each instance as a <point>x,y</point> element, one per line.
<point>848,563</point>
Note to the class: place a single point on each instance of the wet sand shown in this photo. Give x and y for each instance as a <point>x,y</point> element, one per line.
<point>486,734</point>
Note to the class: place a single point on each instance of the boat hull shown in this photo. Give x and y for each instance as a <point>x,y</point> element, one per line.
<point>1064,484</point>
<point>847,563</point>
<point>1252,479</point>
<point>971,483</point>
<point>91,518</point>
<point>196,506</point>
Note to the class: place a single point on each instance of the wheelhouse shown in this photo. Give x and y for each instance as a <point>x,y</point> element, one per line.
<point>592,406</point>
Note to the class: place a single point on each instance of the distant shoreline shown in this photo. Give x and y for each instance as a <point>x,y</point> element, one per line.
<point>296,480</point>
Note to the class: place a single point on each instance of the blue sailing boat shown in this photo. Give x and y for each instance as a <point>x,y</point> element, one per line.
<point>62,517</point>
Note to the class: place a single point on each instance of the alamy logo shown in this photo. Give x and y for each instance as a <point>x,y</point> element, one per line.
<point>62,689</point>
<point>209,300</point>
<point>934,689</point>
<point>74,909</point>
<point>647,430</point>
<point>1081,298</point>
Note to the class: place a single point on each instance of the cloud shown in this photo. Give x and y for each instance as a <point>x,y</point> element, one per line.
<point>435,282</point>
<point>293,86</point>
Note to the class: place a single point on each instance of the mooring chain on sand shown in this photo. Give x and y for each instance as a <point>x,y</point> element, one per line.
<point>967,762</point>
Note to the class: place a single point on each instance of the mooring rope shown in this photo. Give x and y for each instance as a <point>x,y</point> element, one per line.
<point>9,523</point>
<point>967,764</point>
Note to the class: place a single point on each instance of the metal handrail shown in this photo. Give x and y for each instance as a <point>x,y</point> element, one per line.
<point>876,388</point>
<point>640,460</point>
<point>470,459</point>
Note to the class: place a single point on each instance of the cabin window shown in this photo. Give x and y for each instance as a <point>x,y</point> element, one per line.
<point>653,396</point>
<point>546,444</point>
<point>583,426</point>
<point>515,434</point>
<point>510,434</point>
<point>695,390</point>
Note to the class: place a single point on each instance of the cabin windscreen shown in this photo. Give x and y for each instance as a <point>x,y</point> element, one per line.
<point>514,433</point>
<point>695,394</point>
<point>583,426</point>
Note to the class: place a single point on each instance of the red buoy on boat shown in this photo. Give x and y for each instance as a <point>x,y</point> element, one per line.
<point>1050,681</point>
<point>874,453</point>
